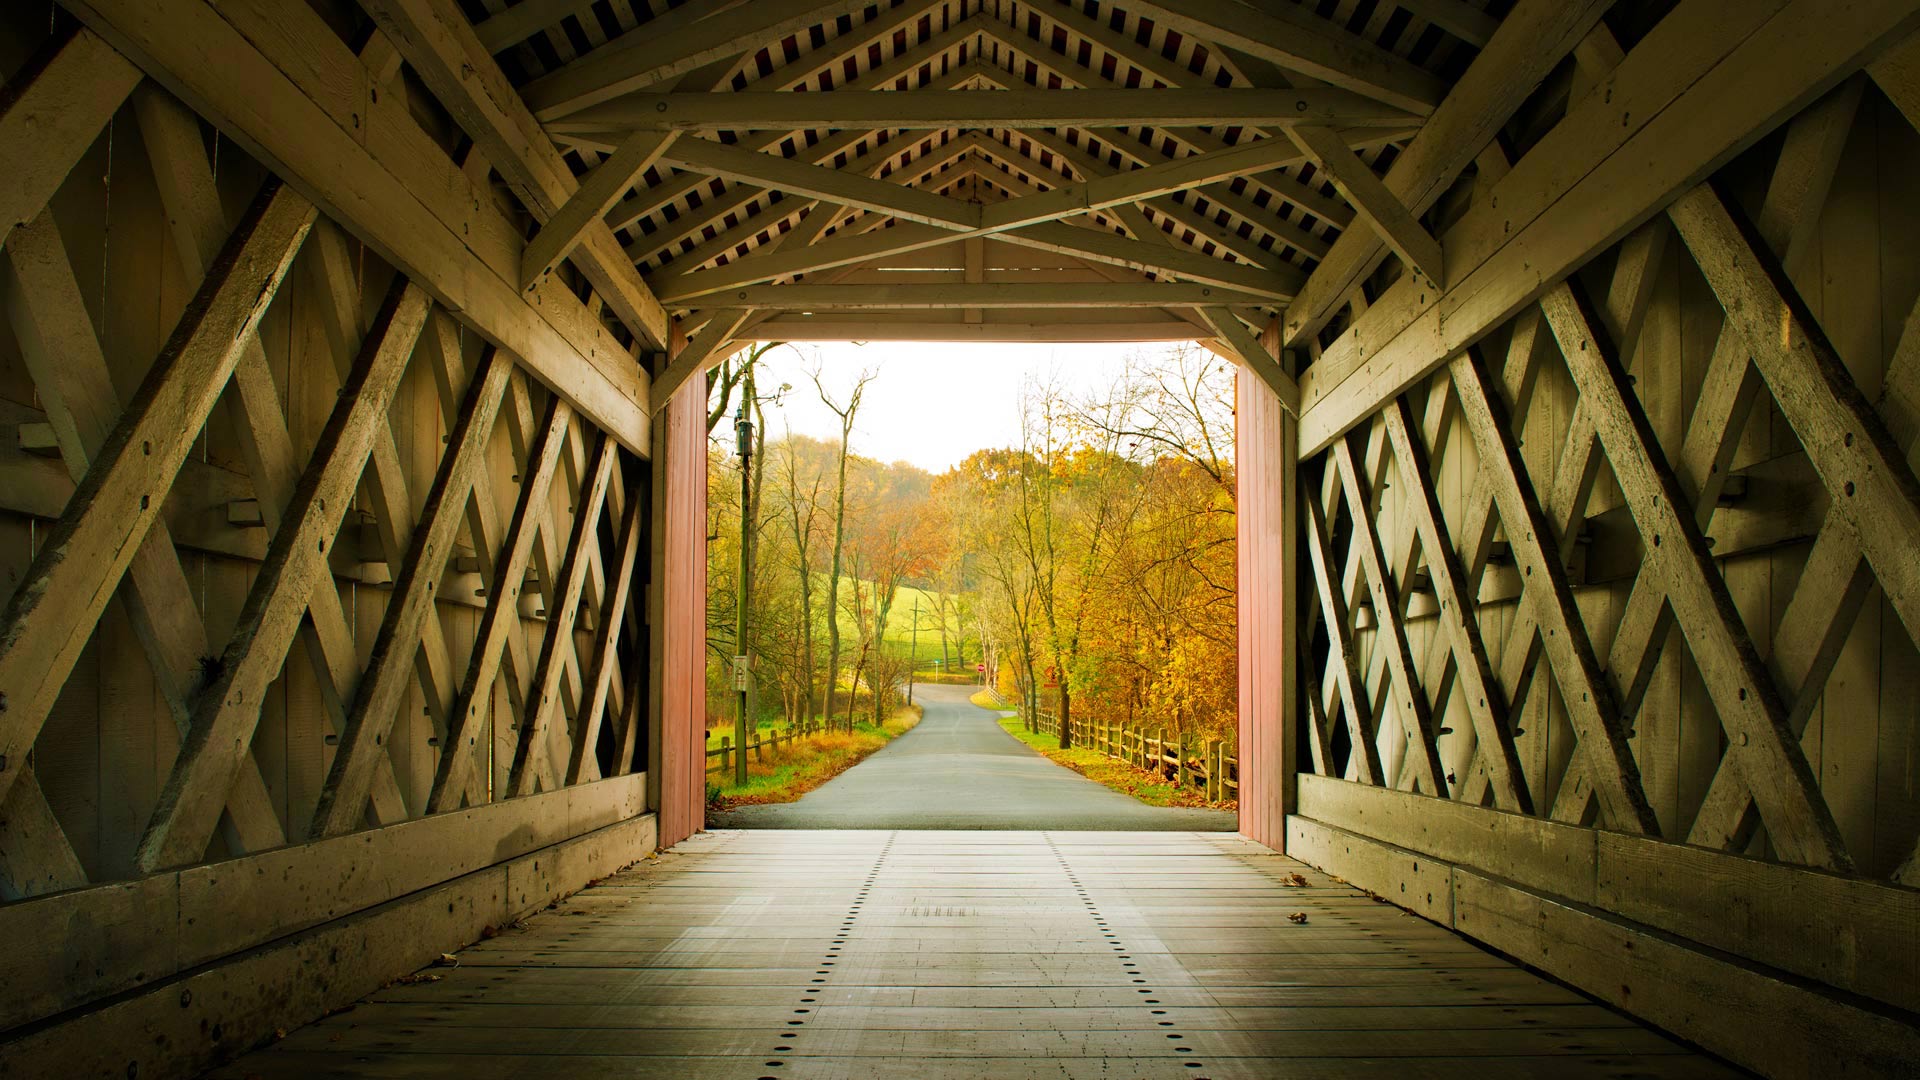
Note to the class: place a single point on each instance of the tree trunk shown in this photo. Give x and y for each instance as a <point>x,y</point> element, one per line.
<point>833,580</point>
<point>1066,714</point>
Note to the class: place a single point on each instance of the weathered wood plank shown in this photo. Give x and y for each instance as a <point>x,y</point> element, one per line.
<point>370,179</point>
<point>54,609</point>
<point>52,110</point>
<point>151,928</point>
<point>440,44</point>
<point>562,610</point>
<point>188,189</point>
<point>503,610</point>
<point>1486,701</point>
<point>1565,640</point>
<point>343,798</point>
<point>228,710</point>
<point>1749,705</point>
<point>615,612</point>
<point>72,379</point>
<point>1531,40</point>
<point>1410,697</point>
<point>1705,83</point>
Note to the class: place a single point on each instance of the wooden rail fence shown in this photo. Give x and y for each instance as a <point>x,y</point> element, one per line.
<point>720,757</point>
<point>1205,765</point>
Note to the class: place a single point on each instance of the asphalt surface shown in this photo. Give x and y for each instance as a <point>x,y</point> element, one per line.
<point>958,769</point>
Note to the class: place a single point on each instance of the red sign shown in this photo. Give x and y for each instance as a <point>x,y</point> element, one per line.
<point>979,667</point>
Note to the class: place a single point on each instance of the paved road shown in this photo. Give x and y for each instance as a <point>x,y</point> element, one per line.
<point>958,769</point>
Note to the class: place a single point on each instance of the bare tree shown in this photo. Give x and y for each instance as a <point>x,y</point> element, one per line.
<point>803,513</point>
<point>846,413</point>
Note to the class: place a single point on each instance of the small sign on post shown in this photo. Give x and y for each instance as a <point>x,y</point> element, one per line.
<point>739,673</point>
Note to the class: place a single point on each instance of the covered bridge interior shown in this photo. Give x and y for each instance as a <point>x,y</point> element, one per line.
<point>353,464</point>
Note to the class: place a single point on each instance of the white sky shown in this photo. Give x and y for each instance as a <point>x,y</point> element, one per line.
<point>933,403</point>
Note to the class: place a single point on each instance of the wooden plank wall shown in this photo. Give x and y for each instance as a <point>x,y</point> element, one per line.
<point>470,652</point>
<point>1694,449</point>
<point>683,622</point>
<point>1265,478</point>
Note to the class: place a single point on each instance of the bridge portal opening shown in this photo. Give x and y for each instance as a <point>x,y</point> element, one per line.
<point>987,584</point>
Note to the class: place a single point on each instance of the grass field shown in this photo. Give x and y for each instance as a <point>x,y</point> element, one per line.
<point>808,763</point>
<point>899,634</point>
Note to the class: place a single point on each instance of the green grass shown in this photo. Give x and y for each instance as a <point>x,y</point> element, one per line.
<point>898,637</point>
<point>807,763</point>
<point>1101,769</point>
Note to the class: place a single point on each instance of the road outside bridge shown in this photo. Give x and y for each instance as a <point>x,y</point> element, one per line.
<point>958,769</point>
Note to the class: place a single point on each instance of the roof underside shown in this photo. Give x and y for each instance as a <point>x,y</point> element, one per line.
<point>1042,171</point>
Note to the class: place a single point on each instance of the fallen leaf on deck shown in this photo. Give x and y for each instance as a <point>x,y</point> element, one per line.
<point>1295,881</point>
<point>1298,916</point>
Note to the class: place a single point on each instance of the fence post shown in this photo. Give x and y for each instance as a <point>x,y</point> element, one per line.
<point>1181,773</point>
<point>1215,779</point>
<point>726,755</point>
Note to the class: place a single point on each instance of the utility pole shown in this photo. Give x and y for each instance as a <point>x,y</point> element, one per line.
<point>913,650</point>
<point>743,430</point>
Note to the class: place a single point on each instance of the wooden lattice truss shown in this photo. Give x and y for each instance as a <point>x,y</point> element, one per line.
<point>1379,691</point>
<point>536,691</point>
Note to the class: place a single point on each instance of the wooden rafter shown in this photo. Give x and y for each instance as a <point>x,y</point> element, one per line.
<point>751,110</point>
<point>1529,42</point>
<point>610,73</point>
<point>437,41</point>
<point>597,193</point>
<point>1301,41</point>
<point>1371,200</point>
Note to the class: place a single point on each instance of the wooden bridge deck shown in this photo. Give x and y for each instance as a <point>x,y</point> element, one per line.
<point>802,955</point>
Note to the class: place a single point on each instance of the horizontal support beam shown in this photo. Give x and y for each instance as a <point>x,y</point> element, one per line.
<point>152,928</point>
<point>199,1019</point>
<point>1098,245</point>
<point>1762,1018</point>
<point>764,110</point>
<point>984,295</point>
<point>797,328</point>
<point>1673,887</point>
